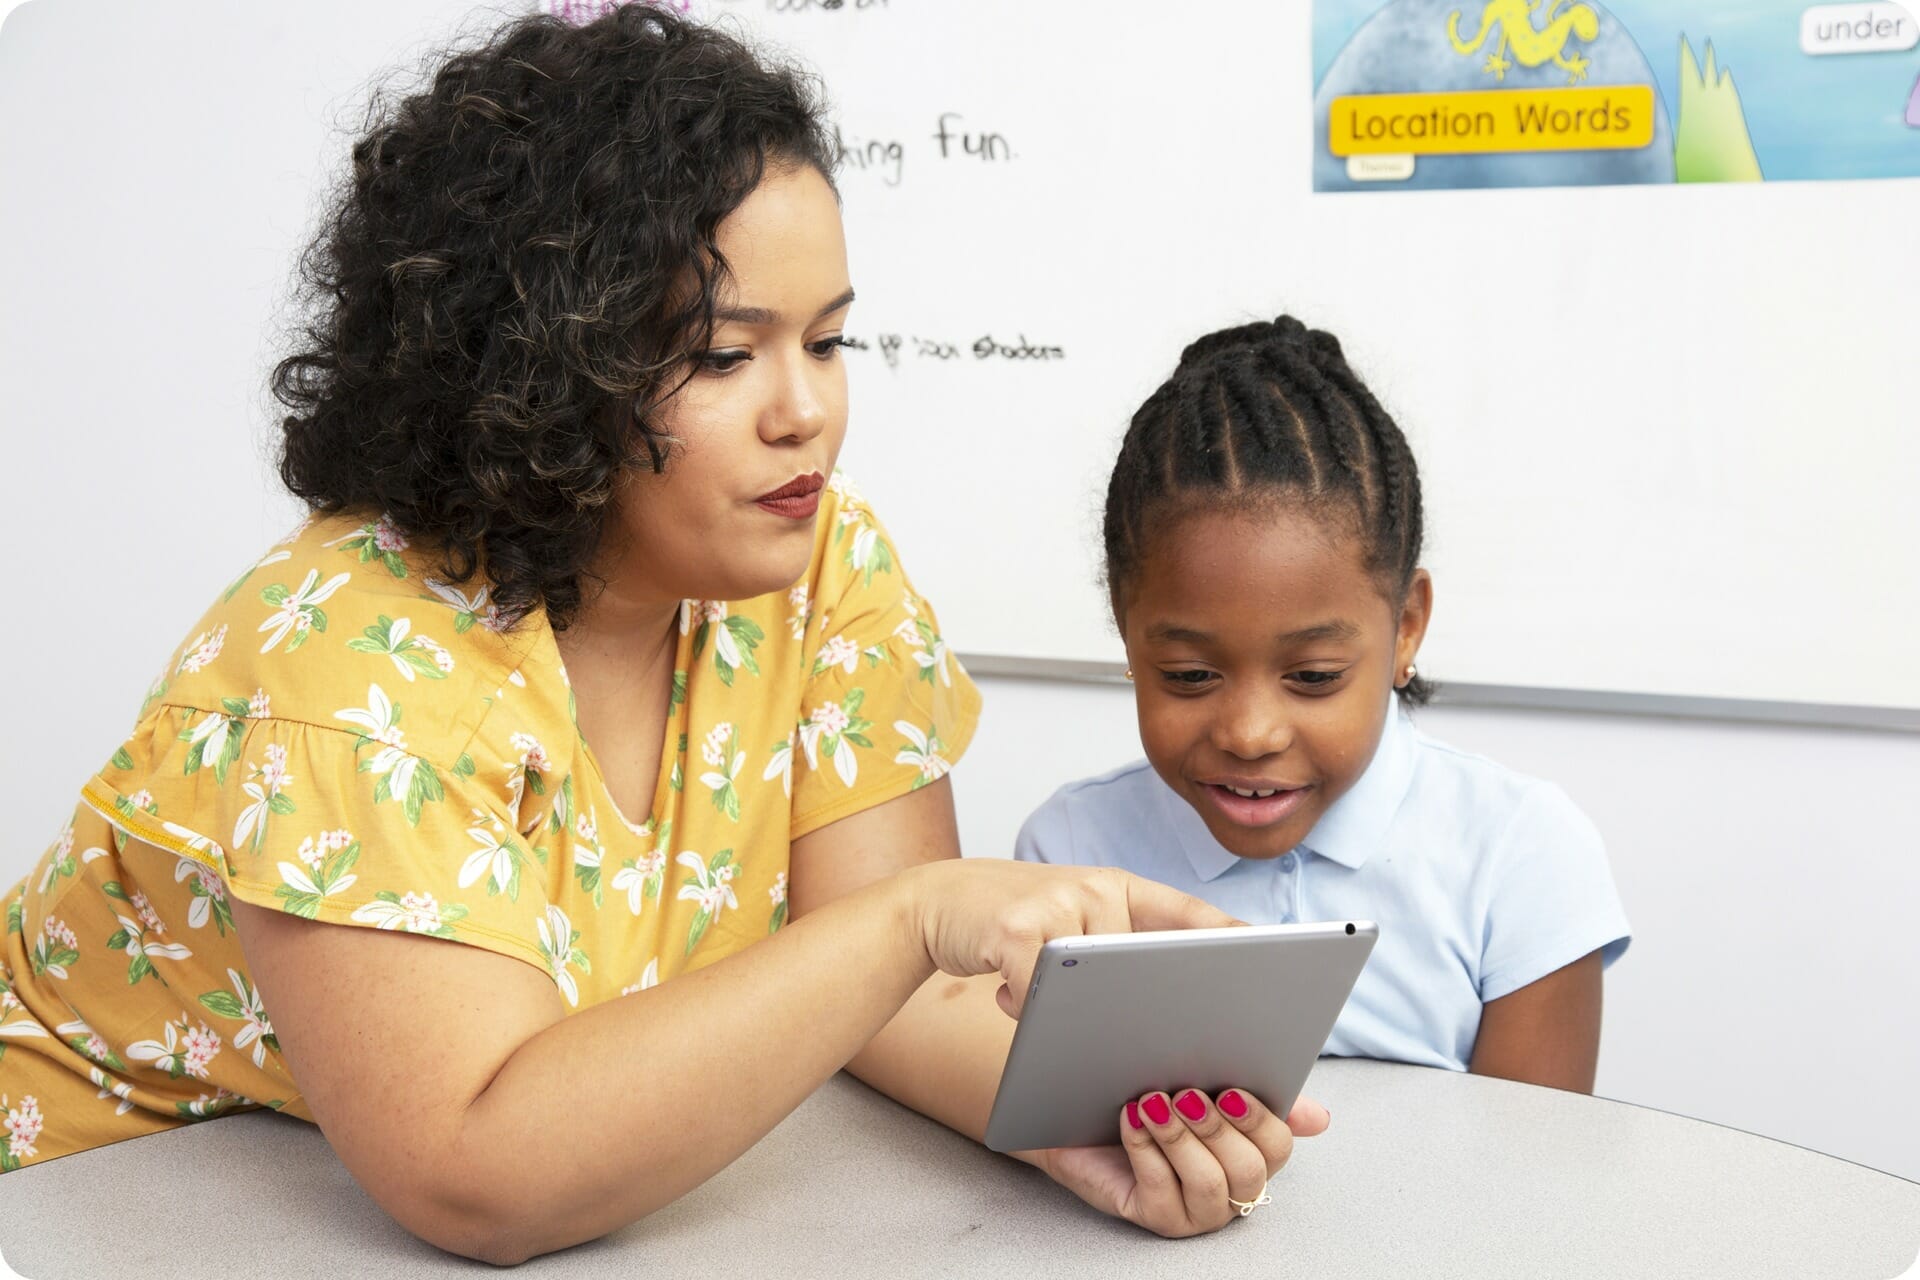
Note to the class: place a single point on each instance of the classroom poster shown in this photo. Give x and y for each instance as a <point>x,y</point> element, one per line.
<point>1414,94</point>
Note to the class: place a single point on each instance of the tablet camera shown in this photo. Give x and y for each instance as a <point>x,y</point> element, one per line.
<point>1349,930</point>
<point>1068,964</point>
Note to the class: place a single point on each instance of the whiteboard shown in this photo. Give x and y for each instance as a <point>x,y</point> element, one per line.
<point>1666,442</point>
<point>1667,434</point>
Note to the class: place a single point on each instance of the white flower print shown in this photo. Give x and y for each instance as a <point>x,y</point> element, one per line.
<point>498,857</point>
<point>142,937</point>
<point>403,776</point>
<point>84,1040</point>
<point>243,1005</point>
<point>838,652</point>
<point>324,870</point>
<point>778,893</point>
<point>727,765</point>
<point>55,949</point>
<point>841,486</point>
<point>412,655</point>
<point>649,977</point>
<point>59,860</point>
<point>209,894</point>
<point>833,730</point>
<point>922,752</point>
<point>213,744</point>
<point>23,1124</point>
<point>470,609</point>
<point>267,780</point>
<point>735,637</point>
<point>259,706</point>
<point>711,886</point>
<point>187,1049</point>
<point>298,611</point>
<point>802,611</point>
<point>781,765</point>
<point>201,653</point>
<point>641,878</point>
<point>532,754</point>
<point>411,912</point>
<point>559,944</point>
<point>830,717</point>
<point>588,853</point>
<point>112,1089</point>
<point>19,1028</point>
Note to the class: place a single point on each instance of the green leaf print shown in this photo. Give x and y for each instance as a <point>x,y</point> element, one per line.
<point>561,816</point>
<point>106,1057</point>
<point>366,546</point>
<point>698,929</point>
<point>747,636</point>
<point>679,694</point>
<point>779,918</point>
<point>122,759</point>
<point>224,1003</point>
<point>464,766</point>
<point>589,878</point>
<point>236,707</point>
<point>414,655</point>
<point>13,915</point>
<point>306,887</point>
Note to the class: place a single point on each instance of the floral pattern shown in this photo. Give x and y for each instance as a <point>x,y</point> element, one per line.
<point>397,754</point>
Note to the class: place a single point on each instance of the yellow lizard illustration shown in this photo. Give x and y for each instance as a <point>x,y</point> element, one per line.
<point>1530,46</point>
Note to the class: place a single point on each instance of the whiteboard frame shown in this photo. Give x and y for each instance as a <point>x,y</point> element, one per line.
<point>1523,697</point>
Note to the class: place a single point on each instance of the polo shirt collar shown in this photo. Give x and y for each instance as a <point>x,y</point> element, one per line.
<point>1347,833</point>
<point>1352,829</point>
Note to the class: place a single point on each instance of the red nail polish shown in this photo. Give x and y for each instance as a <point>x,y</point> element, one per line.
<point>1233,1104</point>
<point>1156,1109</point>
<point>1191,1105</point>
<point>1133,1115</point>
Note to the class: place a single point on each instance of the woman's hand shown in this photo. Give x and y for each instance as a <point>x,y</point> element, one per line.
<point>1182,1158</point>
<point>987,915</point>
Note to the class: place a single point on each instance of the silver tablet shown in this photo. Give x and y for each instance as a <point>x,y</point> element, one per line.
<point>1112,1016</point>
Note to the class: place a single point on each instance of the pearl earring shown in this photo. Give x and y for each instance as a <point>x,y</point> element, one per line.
<point>1412,671</point>
<point>1129,675</point>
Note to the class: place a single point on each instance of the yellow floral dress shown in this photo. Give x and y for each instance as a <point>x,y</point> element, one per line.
<point>350,740</point>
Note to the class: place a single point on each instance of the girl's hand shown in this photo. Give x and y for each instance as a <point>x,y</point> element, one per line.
<point>988,915</point>
<point>1181,1158</point>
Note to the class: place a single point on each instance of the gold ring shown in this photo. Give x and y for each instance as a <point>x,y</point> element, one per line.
<point>1245,1207</point>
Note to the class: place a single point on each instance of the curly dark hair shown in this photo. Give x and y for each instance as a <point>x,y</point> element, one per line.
<point>1259,409</point>
<point>515,274</point>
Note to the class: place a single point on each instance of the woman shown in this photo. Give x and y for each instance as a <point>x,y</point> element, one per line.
<point>567,417</point>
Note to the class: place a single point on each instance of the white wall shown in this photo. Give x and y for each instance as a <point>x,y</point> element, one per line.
<point>1772,876</point>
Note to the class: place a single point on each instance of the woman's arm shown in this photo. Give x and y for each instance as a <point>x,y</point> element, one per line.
<point>943,1053</point>
<point>1547,1032</point>
<point>458,1093</point>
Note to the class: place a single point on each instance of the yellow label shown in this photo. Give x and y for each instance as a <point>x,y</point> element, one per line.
<point>1604,118</point>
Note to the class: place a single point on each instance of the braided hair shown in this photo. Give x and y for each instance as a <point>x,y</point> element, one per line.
<point>1261,410</point>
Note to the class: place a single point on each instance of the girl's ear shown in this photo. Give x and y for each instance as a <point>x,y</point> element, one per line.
<point>1416,610</point>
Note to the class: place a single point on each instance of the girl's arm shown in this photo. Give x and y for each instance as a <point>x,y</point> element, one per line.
<point>1547,1032</point>
<point>457,1091</point>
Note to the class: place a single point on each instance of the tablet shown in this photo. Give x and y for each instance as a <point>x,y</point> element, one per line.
<point>1112,1016</point>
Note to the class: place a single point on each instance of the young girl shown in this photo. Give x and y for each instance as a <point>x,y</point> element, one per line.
<point>1263,540</point>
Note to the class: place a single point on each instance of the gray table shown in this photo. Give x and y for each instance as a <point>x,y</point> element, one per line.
<point>1424,1173</point>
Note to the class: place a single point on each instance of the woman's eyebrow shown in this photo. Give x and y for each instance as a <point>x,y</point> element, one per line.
<point>766,318</point>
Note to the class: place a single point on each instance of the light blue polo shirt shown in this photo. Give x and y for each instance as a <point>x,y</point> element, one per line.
<point>1482,880</point>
